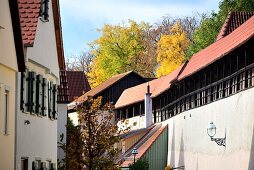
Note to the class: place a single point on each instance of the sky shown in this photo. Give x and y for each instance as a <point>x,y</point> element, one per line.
<point>82,18</point>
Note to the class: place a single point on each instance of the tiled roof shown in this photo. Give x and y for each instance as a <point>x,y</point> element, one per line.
<point>233,21</point>
<point>219,48</point>
<point>137,93</point>
<point>106,84</point>
<point>78,84</point>
<point>29,11</point>
<point>145,146</point>
<point>63,91</point>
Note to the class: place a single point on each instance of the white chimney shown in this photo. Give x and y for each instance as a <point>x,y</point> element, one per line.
<point>148,107</point>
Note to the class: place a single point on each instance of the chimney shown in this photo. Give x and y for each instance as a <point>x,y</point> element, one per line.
<point>148,107</point>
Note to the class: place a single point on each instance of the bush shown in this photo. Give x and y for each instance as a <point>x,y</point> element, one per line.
<point>141,164</point>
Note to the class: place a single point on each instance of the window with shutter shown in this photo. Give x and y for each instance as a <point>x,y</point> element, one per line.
<point>54,101</point>
<point>23,91</point>
<point>44,11</point>
<point>44,96</point>
<point>50,99</point>
<point>38,103</point>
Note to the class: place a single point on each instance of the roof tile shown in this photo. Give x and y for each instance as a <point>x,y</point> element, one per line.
<point>29,13</point>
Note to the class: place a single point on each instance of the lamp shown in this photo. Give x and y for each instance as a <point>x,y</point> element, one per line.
<point>26,122</point>
<point>134,153</point>
<point>211,131</point>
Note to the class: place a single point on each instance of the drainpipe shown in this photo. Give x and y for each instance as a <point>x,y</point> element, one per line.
<point>148,107</point>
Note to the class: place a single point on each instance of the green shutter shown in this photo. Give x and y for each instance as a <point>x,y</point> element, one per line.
<point>44,96</point>
<point>23,91</point>
<point>28,92</point>
<point>50,100</point>
<point>54,101</point>
<point>33,91</point>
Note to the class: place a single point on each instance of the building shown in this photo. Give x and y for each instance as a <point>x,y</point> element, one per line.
<point>37,108</point>
<point>215,85</point>
<point>11,62</point>
<point>110,90</point>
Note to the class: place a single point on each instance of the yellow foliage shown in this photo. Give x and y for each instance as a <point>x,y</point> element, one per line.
<point>171,50</point>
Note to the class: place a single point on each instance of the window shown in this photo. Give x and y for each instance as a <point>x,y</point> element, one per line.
<point>24,164</point>
<point>44,11</point>
<point>37,94</point>
<point>6,111</point>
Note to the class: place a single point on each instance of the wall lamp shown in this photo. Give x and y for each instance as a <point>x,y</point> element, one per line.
<point>211,131</point>
<point>26,122</point>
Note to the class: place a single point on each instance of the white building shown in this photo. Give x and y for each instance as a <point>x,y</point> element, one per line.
<point>36,124</point>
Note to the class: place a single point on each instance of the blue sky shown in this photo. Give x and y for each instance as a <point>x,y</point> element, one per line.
<point>81,18</point>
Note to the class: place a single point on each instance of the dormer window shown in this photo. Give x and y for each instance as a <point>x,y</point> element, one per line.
<point>44,12</point>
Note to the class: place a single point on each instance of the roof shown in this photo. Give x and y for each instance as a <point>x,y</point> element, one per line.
<point>103,86</point>
<point>219,48</point>
<point>233,21</point>
<point>29,11</point>
<point>14,9</point>
<point>58,33</point>
<point>157,86</point>
<point>78,84</point>
<point>145,145</point>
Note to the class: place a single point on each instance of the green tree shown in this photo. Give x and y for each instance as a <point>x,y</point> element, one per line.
<point>212,23</point>
<point>119,49</point>
<point>141,164</point>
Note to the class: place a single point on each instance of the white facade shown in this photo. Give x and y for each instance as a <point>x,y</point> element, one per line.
<point>36,134</point>
<point>61,128</point>
<point>190,146</point>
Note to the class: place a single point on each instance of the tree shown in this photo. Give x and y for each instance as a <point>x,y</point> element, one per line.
<point>212,23</point>
<point>119,49</point>
<point>141,164</point>
<point>73,153</point>
<point>80,62</point>
<point>95,138</point>
<point>171,50</point>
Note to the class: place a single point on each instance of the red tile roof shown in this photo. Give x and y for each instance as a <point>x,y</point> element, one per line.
<point>219,48</point>
<point>106,84</point>
<point>233,21</point>
<point>145,146</point>
<point>78,84</point>
<point>137,93</point>
<point>29,11</point>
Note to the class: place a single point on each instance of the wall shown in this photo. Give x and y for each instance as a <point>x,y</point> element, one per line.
<point>190,146</point>
<point>8,68</point>
<point>61,128</point>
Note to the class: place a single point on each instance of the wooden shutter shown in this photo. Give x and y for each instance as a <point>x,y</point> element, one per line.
<point>54,101</point>
<point>33,92</point>
<point>38,95</point>
<point>28,92</point>
<point>50,100</point>
<point>23,91</point>
<point>44,96</point>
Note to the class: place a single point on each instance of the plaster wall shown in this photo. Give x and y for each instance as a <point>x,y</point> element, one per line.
<point>37,140</point>
<point>61,128</point>
<point>7,82</point>
<point>190,146</point>
<point>7,45</point>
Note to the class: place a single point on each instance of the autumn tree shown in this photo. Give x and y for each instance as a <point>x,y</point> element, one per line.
<point>171,50</point>
<point>119,49</point>
<point>95,138</point>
